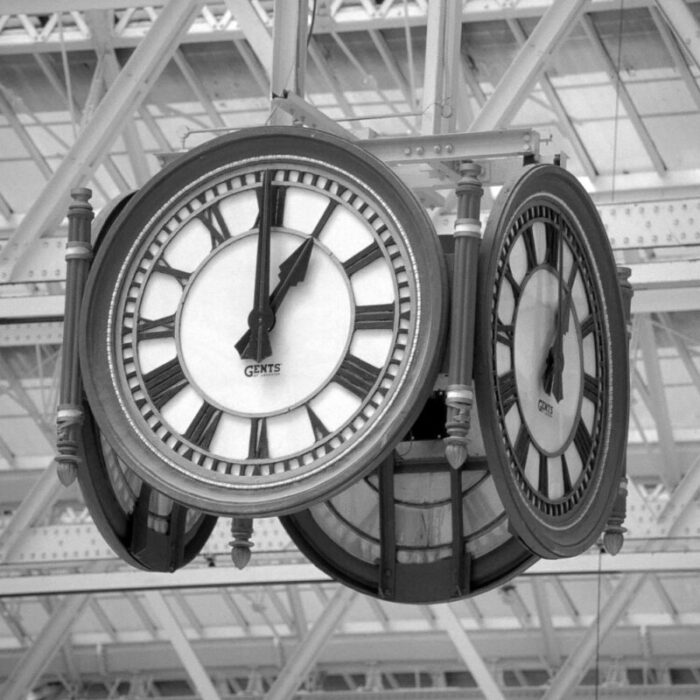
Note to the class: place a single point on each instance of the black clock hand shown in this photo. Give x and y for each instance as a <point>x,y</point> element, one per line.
<point>261,319</point>
<point>554,363</point>
<point>292,271</point>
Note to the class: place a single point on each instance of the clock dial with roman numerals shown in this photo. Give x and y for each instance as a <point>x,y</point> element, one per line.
<point>265,322</point>
<point>552,375</point>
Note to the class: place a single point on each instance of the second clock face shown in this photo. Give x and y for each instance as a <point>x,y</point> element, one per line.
<point>267,321</point>
<point>552,374</point>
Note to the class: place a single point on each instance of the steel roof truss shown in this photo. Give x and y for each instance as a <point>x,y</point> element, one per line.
<point>306,652</point>
<point>629,585</point>
<point>255,30</point>
<point>451,624</point>
<point>175,634</point>
<point>564,121</point>
<point>684,24</point>
<point>131,86</point>
<point>624,96</point>
<point>195,84</point>
<point>518,79</point>
<point>99,24</point>
<point>677,54</point>
<point>141,613</point>
<point>659,404</point>
<point>39,498</point>
<point>52,637</point>
<point>551,654</point>
<point>23,135</point>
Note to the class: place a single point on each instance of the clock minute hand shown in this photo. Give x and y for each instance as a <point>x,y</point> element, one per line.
<point>554,364</point>
<point>261,319</point>
<point>292,271</point>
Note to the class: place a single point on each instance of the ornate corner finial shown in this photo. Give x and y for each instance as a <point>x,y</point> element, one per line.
<point>614,534</point>
<point>241,531</point>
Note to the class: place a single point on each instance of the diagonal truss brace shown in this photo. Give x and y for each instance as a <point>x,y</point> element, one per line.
<point>525,69</point>
<point>673,522</point>
<point>305,654</point>
<point>200,678</point>
<point>127,91</point>
<point>684,24</point>
<point>449,621</point>
<point>45,646</point>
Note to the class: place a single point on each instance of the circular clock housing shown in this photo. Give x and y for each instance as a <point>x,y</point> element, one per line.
<point>264,321</point>
<point>552,371</point>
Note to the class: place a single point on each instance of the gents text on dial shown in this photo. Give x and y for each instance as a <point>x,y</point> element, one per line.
<point>258,370</point>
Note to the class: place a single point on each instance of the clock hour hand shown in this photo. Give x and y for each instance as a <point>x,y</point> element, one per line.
<point>261,319</point>
<point>554,362</point>
<point>292,272</point>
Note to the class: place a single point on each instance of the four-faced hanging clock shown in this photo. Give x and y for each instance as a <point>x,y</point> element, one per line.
<point>263,322</point>
<point>551,369</point>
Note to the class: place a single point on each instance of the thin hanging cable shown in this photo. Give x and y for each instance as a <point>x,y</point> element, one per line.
<point>311,22</point>
<point>66,77</point>
<point>618,87</point>
<point>597,623</point>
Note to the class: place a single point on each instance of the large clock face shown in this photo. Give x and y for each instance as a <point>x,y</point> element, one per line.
<point>552,379</point>
<point>266,315</point>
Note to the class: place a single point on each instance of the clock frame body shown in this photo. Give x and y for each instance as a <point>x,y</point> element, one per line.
<point>356,339</point>
<point>557,458</point>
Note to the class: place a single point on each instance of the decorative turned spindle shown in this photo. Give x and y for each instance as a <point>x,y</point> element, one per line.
<point>69,416</point>
<point>614,534</point>
<point>459,395</point>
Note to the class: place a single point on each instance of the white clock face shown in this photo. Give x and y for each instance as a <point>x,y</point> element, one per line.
<point>543,305</point>
<point>339,335</point>
<point>265,326</point>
